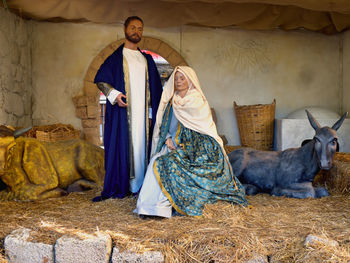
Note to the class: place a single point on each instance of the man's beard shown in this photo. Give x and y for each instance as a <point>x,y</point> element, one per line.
<point>133,38</point>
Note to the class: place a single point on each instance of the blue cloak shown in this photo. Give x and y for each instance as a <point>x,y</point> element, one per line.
<point>116,135</point>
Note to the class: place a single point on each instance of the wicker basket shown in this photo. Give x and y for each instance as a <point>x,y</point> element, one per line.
<point>56,132</point>
<point>256,125</point>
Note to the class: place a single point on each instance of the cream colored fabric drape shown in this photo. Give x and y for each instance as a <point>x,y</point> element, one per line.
<point>328,16</point>
<point>192,111</point>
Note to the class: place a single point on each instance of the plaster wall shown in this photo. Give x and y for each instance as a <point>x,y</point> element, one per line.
<point>15,70</point>
<point>62,54</point>
<point>297,68</point>
<point>346,72</point>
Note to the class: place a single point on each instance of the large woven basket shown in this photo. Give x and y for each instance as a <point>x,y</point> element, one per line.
<point>56,132</point>
<point>256,125</point>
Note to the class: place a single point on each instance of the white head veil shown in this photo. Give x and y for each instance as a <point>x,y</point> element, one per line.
<point>192,111</point>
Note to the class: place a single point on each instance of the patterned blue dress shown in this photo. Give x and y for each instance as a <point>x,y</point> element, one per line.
<point>195,174</point>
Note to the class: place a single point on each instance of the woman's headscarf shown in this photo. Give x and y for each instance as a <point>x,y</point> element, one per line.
<point>192,110</point>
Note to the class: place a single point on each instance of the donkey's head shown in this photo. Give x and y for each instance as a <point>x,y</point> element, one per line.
<point>325,141</point>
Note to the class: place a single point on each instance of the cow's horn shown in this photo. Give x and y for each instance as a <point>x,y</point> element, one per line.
<point>21,131</point>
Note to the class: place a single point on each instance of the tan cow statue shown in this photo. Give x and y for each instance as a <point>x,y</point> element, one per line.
<point>32,170</point>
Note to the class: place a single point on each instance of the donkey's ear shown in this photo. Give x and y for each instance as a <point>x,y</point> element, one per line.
<point>339,122</point>
<point>312,121</point>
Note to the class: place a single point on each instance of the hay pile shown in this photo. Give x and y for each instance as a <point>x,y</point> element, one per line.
<point>337,180</point>
<point>275,227</point>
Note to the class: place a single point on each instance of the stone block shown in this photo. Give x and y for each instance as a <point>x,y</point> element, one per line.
<point>14,104</point>
<point>312,240</point>
<point>90,88</point>
<point>257,258</point>
<point>14,54</point>
<point>19,74</point>
<point>93,100</point>
<point>27,104</point>
<point>80,101</point>
<point>19,250</point>
<point>92,249</point>
<point>4,44</point>
<point>11,120</point>
<point>92,111</point>
<point>116,44</point>
<point>25,121</point>
<point>90,123</point>
<point>151,44</point>
<point>97,62</point>
<point>164,50</point>
<point>81,112</point>
<point>174,59</point>
<point>182,63</point>
<point>92,135</point>
<point>132,257</point>
<point>90,74</point>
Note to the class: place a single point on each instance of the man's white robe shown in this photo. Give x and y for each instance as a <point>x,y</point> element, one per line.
<point>137,78</point>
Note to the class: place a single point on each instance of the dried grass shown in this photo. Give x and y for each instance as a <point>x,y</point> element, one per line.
<point>337,180</point>
<point>273,227</point>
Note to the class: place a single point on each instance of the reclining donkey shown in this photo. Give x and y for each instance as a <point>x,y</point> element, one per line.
<point>290,172</point>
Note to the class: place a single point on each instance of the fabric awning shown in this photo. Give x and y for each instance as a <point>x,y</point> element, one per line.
<point>327,16</point>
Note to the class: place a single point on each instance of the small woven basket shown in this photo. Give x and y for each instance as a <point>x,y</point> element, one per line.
<point>56,132</point>
<point>256,125</point>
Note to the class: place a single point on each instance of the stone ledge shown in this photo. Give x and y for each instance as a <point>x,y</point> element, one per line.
<point>132,257</point>
<point>98,248</point>
<point>19,250</point>
<point>90,248</point>
<point>94,249</point>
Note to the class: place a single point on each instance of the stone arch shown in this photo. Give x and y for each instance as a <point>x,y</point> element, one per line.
<point>87,105</point>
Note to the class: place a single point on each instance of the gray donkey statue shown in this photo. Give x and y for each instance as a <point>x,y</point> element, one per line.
<point>290,172</point>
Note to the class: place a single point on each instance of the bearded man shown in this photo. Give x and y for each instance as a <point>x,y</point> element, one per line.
<point>130,81</point>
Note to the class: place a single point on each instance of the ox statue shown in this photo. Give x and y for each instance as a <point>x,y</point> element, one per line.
<point>290,172</point>
<point>31,169</point>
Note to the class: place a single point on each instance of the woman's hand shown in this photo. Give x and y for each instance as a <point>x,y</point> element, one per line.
<point>170,144</point>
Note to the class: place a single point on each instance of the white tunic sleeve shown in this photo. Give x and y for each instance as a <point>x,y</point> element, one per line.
<point>113,95</point>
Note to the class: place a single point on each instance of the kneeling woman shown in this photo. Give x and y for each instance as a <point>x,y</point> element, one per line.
<point>189,167</point>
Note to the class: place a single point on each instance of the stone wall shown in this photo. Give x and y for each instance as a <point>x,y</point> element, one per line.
<point>298,68</point>
<point>345,92</point>
<point>15,70</point>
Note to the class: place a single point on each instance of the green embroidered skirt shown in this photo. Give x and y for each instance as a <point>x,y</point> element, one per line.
<point>197,173</point>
